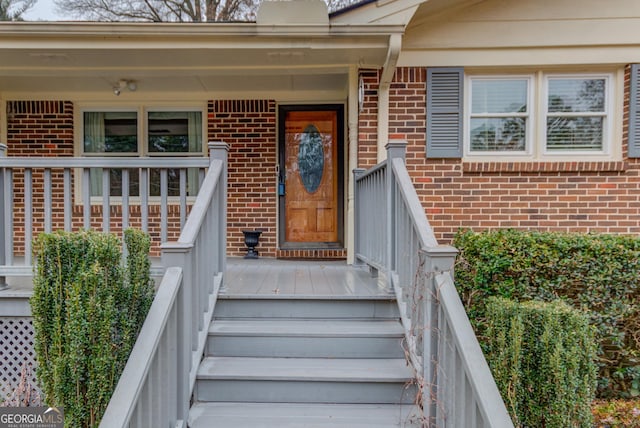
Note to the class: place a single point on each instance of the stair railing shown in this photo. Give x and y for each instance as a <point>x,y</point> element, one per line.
<point>156,385</point>
<point>394,236</point>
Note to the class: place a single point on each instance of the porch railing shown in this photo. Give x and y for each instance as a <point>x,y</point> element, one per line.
<point>156,385</point>
<point>393,235</point>
<point>52,193</point>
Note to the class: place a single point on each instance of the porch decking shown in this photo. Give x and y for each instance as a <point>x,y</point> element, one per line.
<point>299,278</point>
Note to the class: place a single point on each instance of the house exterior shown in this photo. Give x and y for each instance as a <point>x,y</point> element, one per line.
<point>516,114</point>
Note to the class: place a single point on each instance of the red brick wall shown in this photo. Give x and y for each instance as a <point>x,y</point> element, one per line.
<point>557,196</point>
<point>45,128</point>
<point>368,121</point>
<point>249,127</point>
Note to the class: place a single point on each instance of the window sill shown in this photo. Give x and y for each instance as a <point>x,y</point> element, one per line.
<point>544,167</point>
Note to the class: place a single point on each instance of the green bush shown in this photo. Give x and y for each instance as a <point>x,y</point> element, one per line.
<point>595,272</point>
<point>542,357</point>
<point>87,311</point>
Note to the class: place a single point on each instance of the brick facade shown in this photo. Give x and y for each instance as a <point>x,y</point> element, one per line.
<point>558,196</point>
<point>249,127</point>
<point>553,196</point>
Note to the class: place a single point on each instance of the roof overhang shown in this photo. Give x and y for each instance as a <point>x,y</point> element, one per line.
<point>183,57</point>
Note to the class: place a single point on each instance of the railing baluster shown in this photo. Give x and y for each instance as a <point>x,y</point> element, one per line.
<point>86,197</point>
<point>144,199</point>
<point>67,196</point>
<point>164,191</point>
<point>460,393</point>
<point>28,214</point>
<point>173,370</point>
<point>47,200</point>
<point>164,358</point>
<point>8,216</point>
<point>183,196</point>
<point>125,199</point>
<point>106,201</point>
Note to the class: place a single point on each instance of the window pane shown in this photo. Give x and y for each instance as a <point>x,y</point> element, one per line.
<point>115,182</point>
<point>110,132</point>
<point>574,133</point>
<point>576,95</point>
<point>499,96</point>
<point>498,134</point>
<point>175,132</point>
<point>173,181</point>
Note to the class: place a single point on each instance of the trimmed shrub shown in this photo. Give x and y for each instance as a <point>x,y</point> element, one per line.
<point>542,357</point>
<point>87,311</point>
<point>595,272</point>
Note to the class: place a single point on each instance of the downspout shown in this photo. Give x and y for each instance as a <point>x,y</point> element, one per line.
<point>388,71</point>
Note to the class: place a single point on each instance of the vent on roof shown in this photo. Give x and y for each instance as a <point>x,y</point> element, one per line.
<point>293,12</point>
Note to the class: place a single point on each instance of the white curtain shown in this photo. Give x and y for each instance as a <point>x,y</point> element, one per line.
<point>194,120</point>
<point>94,137</point>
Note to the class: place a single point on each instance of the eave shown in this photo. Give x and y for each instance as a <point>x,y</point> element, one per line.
<point>181,57</point>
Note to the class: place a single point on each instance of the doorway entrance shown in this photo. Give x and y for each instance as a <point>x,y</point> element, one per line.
<point>311,176</point>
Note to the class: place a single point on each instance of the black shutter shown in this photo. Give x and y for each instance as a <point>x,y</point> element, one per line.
<point>634,112</point>
<point>444,112</point>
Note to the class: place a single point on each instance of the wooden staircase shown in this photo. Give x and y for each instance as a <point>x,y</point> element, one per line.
<point>304,361</point>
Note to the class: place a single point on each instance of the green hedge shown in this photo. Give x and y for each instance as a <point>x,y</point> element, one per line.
<point>595,272</point>
<point>87,311</point>
<point>542,357</point>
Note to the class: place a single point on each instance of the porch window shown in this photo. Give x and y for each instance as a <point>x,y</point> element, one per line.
<point>162,133</point>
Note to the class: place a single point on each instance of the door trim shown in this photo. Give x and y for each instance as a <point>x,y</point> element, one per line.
<point>282,110</point>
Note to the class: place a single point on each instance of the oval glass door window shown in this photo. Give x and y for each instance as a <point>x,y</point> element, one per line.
<point>311,158</point>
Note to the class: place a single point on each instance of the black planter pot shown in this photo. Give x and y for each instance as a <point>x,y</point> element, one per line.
<point>251,238</point>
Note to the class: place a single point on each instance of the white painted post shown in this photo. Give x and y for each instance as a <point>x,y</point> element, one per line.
<point>395,149</point>
<point>436,260</point>
<point>174,254</point>
<point>220,151</point>
<point>357,208</point>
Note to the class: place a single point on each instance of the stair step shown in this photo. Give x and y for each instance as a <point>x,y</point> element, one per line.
<point>306,380</point>
<point>309,307</point>
<point>295,415</point>
<point>306,338</point>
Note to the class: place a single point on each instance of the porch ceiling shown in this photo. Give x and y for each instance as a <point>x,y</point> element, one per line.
<point>60,58</point>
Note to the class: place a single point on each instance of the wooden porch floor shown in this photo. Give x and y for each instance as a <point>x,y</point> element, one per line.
<point>274,277</point>
<point>283,278</point>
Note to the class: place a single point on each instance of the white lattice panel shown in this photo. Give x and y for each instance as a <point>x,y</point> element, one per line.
<point>16,349</point>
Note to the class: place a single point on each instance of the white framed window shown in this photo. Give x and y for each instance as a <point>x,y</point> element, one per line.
<point>540,116</point>
<point>577,113</point>
<point>142,131</point>
<point>499,114</point>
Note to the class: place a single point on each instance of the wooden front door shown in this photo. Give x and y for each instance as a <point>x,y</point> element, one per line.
<point>310,177</point>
